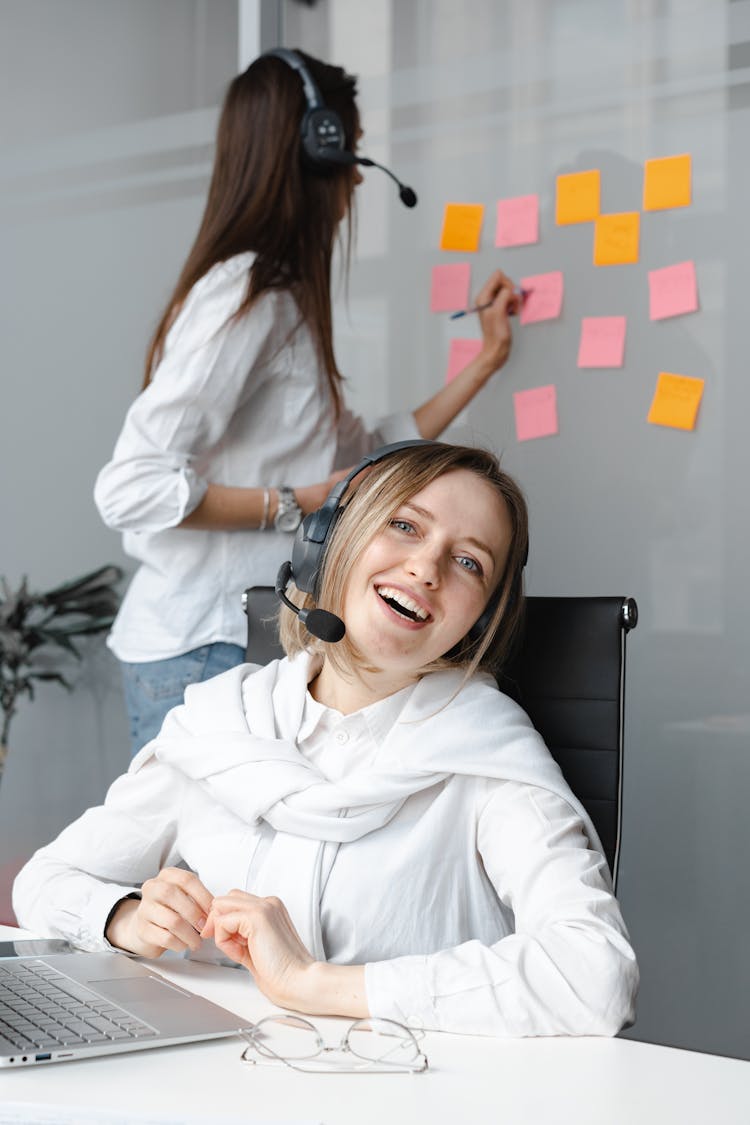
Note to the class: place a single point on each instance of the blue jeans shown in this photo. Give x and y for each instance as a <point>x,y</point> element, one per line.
<point>156,686</point>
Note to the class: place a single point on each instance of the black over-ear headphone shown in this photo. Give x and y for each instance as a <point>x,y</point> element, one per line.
<point>322,131</point>
<point>311,542</point>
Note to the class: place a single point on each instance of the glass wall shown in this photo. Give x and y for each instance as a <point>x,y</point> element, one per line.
<point>483,101</point>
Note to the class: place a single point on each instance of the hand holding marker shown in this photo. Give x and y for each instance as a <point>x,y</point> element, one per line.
<point>520,293</point>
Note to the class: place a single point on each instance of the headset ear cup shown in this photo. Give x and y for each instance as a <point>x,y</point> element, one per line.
<point>309,548</point>
<point>321,130</point>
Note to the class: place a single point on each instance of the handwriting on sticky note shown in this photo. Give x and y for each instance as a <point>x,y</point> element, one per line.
<point>672,291</point>
<point>536,412</point>
<point>462,226</point>
<point>461,353</point>
<point>616,239</point>
<point>517,221</point>
<point>577,197</point>
<point>602,342</point>
<point>543,297</point>
<point>449,287</point>
<point>676,401</point>
<point>667,182</point>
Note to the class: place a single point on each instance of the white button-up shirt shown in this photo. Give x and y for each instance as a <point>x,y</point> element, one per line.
<point>480,906</point>
<point>242,403</point>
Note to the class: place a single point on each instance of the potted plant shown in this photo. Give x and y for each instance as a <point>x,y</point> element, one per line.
<point>36,629</point>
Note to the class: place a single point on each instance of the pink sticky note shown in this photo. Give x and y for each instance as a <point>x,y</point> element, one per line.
<point>543,297</point>
<point>672,291</point>
<point>461,352</point>
<point>517,221</point>
<point>536,412</point>
<point>602,341</point>
<point>449,290</point>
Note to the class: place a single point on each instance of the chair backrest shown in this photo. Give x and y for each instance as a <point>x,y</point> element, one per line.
<point>569,676</point>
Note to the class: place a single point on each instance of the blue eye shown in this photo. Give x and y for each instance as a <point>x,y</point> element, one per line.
<point>402,525</point>
<point>469,564</point>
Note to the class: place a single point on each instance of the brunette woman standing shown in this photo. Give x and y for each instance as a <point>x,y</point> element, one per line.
<point>241,428</point>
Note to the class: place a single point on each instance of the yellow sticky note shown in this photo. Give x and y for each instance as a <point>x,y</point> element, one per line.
<point>667,183</point>
<point>462,226</point>
<point>616,238</point>
<point>577,197</point>
<point>676,401</point>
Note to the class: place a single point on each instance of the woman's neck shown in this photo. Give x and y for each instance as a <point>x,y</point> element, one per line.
<point>351,693</point>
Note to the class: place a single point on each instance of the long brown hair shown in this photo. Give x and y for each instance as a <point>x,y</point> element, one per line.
<point>264,198</point>
<point>387,486</point>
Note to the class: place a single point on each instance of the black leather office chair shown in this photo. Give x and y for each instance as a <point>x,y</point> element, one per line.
<point>569,676</point>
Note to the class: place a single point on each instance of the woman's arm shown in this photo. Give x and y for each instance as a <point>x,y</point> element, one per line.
<point>239,509</point>
<point>212,363</point>
<point>69,888</point>
<point>433,416</point>
<point>568,969</point>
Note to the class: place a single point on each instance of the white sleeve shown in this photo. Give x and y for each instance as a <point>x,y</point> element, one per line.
<point>68,888</point>
<point>354,440</point>
<point>568,969</point>
<point>211,363</point>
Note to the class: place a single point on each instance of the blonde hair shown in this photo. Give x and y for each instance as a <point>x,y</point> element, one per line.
<point>388,485</point>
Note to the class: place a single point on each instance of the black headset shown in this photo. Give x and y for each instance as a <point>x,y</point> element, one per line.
<point>322,131</point>
<point>311,542</point>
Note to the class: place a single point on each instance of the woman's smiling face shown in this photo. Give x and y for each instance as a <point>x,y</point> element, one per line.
<point>422,582</point>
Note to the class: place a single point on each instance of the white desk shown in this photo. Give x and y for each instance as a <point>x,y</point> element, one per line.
<point>471,1080</point>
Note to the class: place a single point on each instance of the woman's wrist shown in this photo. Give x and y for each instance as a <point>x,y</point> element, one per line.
<point>333,990</point>
<point>117,930</point>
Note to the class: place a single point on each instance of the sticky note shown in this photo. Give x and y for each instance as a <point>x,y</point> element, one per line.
<point>667,183</point>
<point>602,342</point>
<point>462,226</point>
<point>460,354</point>
<point>616,238</point>
<point>676,401</point>
<point>517,221</point>
<point>536,412</point>
<point>577,197</point>
<point>672,291</point>
<point>449,288</point>
<point>543,297</point>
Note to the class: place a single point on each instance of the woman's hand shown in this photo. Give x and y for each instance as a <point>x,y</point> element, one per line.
<point>504,299</point>
<point>170,915</point>
<point>259,934</point>
<point>310,497</point>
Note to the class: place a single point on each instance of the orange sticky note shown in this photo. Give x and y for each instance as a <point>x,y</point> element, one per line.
<point>461,353</point>
<point>676,401</point>
<point>536,412</point>
<point>449,287</point>
<point>667,183</point>
<point>462,226</point>
<point>517,221</point>
<point>616,238</point>
<point>577,197</point>
<point>602,342</point>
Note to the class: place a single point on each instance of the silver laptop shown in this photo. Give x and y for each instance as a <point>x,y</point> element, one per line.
<point>60,1006</point>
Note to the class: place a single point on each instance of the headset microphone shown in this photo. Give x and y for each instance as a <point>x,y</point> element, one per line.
<point>322,624</point>
<point>407,195</point>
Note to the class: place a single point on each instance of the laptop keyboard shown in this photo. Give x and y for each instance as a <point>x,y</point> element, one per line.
<point>41,1008</point>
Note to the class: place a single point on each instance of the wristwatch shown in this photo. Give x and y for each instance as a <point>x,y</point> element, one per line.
<point>288,514</point>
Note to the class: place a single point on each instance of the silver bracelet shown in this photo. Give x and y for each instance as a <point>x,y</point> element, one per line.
<point>266,507</point>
